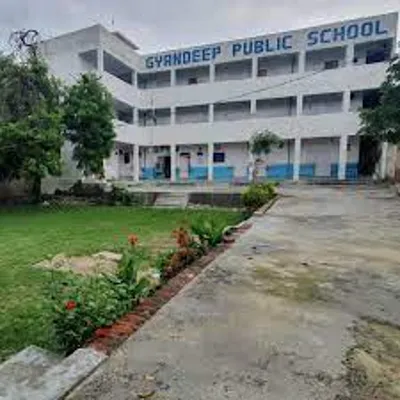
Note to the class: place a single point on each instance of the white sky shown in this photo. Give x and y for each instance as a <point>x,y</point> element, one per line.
<point>159,24</point>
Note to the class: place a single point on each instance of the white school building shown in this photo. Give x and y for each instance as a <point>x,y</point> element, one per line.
<point>188,114</point>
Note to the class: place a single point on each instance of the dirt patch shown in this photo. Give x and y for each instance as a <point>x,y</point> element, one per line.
<point>298,284</point>
<point>374,363</point>
<point>100,263</point>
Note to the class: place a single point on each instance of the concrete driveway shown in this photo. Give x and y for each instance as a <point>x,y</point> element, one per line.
<point>289,312</point>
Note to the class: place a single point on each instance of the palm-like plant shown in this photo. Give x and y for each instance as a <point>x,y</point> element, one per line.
<point>263,142</point>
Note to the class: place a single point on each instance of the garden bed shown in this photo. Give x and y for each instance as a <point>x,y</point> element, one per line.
<point>108,338</point>
<point>31,234</point>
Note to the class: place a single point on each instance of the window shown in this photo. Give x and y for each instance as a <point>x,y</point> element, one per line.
<point>219,158</point>
<point>262,72</point>
<point>375,56</point>
<point>192,81</point>
<point>332,64</point>
<point>127,158</point>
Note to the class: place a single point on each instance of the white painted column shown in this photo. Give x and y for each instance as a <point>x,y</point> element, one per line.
<point>173,77</point>
<point>212,72</point>
<point>251,165</point>
<point>349,55</point>
<point>254,68</point>
<point>211,113</point>
<point>297,159</point>
<point>133,78</point>
<point>210,162</point>
<point>383,161</point>
<point>299,105</point>
<point>253,106</point>
<point>342,157</point>
<point>135,116</point>
<point>346,101</point>
<point>302,62</point>
<point>173,115</point>
<point>136,163</point>
<point>100,60</point>
<point>173,162</point>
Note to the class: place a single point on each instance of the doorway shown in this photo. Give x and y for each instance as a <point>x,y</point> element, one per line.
<point>184,164</point>
<point>369,155</point>
<point>167,167</point>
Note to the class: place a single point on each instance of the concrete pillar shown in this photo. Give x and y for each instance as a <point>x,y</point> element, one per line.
<point>211,113</point>
<point>173,162</point>
<point>297,159</point>
<point>133,78</point>
<point>251,165</point>
<point>173,115</point>
<point>342,157</point>
<point>253,106</point>
<point>136,163</point>
<point>173,77</point>
<point>135,116</point>
<point>100,60</point>
<point>349,55</point>
<point>383,161</point>
<point>210,162</point>
<point>254,68</point>
<point>346,101</point>
<point>302,62</point>
<point>212,72</point>
<point>299,105</point>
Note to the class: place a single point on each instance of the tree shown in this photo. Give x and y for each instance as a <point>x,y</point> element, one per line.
<point>263,142</point>
<point>30,121</point>
<point>383,121</point>
<point>88,117</point>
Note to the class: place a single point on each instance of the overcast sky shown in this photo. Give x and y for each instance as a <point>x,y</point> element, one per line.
<point>159,24</point>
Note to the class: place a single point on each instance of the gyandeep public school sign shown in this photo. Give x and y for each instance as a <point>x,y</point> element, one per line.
<point>360,30</point>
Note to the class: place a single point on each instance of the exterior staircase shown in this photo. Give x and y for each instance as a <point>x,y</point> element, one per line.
<point>36,374</point>
<point>172,200</point>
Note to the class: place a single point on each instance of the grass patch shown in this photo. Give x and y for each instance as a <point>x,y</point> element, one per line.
<point>374,363</point>
<point>297,285</point>
<point>29,235</point>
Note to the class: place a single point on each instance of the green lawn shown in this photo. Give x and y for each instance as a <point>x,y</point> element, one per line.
<point>28,235</point>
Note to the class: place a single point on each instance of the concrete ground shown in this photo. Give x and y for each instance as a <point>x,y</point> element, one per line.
<point>272,318</point>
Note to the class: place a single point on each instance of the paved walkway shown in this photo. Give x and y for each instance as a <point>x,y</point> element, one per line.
<point>270,318</point>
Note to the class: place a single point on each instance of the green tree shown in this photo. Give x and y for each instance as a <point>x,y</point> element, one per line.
<point>88,117</point>
<point>30,121</point>
<point>262,143</point>
<point>383,121</point>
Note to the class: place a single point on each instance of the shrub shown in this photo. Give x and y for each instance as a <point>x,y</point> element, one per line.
<point>256,195</point>
<point>87,190</point>
<point>162,260</point>
<point>209,232</point>
<point>81,305</point>
<point>120,196</point>
<point>185,253</point>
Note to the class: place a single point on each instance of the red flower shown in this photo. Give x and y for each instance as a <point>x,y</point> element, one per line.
<point>102,332</point>
<point>133,240</point>
<point>70,305</point>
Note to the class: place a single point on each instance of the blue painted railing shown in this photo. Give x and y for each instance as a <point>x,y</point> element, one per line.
<point>148,173</point>
<point>198,173</point>
<point>279,171</point>
<point>285,171</point>
<point>223,174</point>
<point>351,170</point>
<point>307,170</point>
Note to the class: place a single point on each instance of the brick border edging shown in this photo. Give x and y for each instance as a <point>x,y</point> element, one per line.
<point>263,209</point>
<point>107,339</point>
